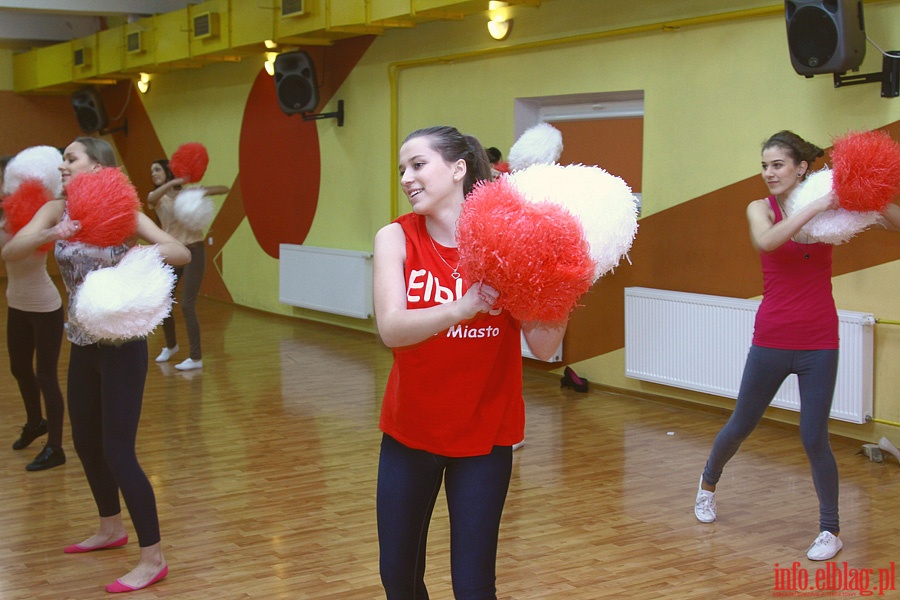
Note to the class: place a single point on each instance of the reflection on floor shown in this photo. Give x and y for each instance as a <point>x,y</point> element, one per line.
<point>264,464</point>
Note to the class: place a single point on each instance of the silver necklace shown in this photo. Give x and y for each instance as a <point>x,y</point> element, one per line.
<point>805,248</point>
<point>455,274</point>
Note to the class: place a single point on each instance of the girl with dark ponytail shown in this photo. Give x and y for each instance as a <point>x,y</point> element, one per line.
<point>796,332</point>
<point>453,405</point>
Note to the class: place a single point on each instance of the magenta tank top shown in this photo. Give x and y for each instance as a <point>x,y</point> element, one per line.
<point>797,310</point>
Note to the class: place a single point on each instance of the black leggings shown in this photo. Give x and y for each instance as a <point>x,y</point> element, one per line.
<point>31,335</point>
<point>408,484</point>
<point>106,388</point>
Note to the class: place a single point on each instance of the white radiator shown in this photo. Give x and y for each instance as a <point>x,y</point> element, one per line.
<point>326,279</point>
<point>700,342</point>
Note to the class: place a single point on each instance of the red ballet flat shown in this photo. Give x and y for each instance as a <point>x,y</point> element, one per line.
<point>117,587</point>
<point>78,548</point>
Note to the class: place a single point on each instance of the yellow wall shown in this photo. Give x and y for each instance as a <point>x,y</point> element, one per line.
<point>6,72</point>
<point>207,106</point>
<point>712,95</point>
<point>713,92</point>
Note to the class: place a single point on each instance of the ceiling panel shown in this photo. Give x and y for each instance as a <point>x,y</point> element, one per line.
<point>30,23</point>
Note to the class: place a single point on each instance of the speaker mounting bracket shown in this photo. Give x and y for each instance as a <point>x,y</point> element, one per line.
<point>338,114</point>
<point>123,128</point>
<point>889,76</point>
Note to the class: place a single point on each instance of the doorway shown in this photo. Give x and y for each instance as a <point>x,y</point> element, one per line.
<point>603,129</point>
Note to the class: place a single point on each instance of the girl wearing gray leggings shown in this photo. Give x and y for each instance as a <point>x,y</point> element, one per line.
<point>796,331</point>
<point>162,200</point>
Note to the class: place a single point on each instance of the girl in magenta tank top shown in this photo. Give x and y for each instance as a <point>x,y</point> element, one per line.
<point>796,332</point>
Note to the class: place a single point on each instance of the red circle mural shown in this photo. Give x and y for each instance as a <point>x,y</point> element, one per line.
<point>279,162</point>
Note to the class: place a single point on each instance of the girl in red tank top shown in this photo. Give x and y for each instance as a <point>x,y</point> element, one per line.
<point>453,405</point>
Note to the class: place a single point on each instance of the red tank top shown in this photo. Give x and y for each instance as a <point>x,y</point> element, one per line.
<point>797,310</point>
<point>460,392</point>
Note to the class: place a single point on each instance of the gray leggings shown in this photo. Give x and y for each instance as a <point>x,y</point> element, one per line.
<point>192,275</point>
<point>764,372</point>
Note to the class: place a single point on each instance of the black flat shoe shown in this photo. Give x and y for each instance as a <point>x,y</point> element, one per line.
<point>29,434</point>
<point>48,458</point>
<point>573,381</point>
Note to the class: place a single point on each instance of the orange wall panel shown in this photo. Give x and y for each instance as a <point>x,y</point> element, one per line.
<point>35,120</point>
<point>615,145</point>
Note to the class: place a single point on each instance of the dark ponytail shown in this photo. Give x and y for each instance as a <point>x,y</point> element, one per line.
<point>799,149</point>
<point>164,165</point>
<point>98,150</point>
<point>452,146</point>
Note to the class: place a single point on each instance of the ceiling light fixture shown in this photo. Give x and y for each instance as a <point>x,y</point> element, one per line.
<point>499,23</point>
<point>143,84</point>
<point>270,62</point>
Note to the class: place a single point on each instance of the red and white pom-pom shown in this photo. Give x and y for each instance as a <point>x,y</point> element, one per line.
<point>866,170</point>
<point>189,161</point>
<point>832,226</point>
<point>106,204</point>
<point>194,209</point>
<point>602,202</point>
<point>21,205</point>
<point>39,163</point>
<point>128,300</point>
<point>534,254</point>
<point>538,145</point>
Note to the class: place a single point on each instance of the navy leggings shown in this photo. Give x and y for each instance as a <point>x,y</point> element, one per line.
<point>35,338</point>
<point>105,390</point>
<point>764,372</point>
<point>408,485</point>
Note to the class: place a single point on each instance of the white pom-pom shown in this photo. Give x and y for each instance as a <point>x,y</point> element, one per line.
<point>38,162</point>
<point>194,209</point>
<point>832,226</point>
<point>128,300</point>
<point>538,145</point>
<point>602,202</point>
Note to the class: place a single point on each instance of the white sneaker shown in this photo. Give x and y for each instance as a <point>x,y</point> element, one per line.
<point>167,353</point>
<point>705,505</point>
<point>188,364</point>
<point>825,547</point>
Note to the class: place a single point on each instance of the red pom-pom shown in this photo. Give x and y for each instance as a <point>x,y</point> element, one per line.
<point>190,161</point>
<point>533,253</point>
<point>866,170</point>
<point>20,206</point>
<point>106,204</point>
<point>502,166</point>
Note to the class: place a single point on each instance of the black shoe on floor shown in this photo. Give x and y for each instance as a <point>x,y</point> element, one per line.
<point>29,434</point>
<point>573,381</point>
<point>48,458</point>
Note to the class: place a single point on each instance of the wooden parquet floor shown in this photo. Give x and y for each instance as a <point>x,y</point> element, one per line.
<point>264,465</point>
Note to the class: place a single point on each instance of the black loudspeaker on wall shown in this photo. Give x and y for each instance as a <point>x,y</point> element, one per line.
<point>825,36</point>
<point>295,82</point>
<point>89,110</point>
